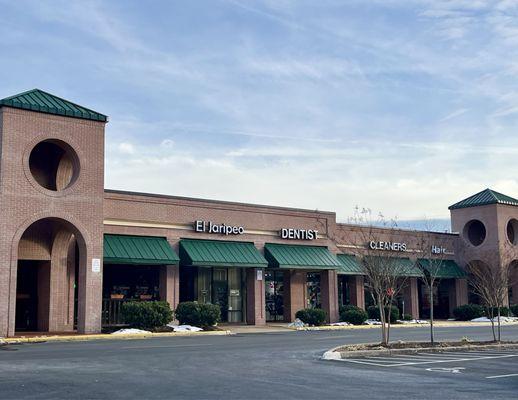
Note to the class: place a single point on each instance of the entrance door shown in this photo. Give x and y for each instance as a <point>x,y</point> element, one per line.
<point>274,295</point>
<point>235,295</point>
<point>313,290</point>
<point>220,291</point>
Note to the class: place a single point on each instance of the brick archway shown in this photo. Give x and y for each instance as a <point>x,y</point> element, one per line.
<point>50,243</point>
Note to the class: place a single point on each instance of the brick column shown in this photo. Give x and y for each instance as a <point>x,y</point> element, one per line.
<point>294,293</point>
<point>61,295</point>
<point>357,291</point>
<point>169,284</point>
<point>329,293</point>
<point>411,297</point>
<point>255,302</point>
<point>90,288</point>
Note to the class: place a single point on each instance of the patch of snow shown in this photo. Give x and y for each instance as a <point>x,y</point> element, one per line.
<point>372,322</point>
<point>340,324</point>
<point>331,355</point>
<point>413,321</point>
<point>184,328</point>
<point>297,324</point>
<point>502,319</point>
<point>129,331</point>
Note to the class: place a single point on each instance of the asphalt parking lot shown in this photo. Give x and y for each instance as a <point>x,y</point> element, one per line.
<point>256,366</point>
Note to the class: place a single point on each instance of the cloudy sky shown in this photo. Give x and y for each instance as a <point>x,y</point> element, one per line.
<point>402,106</point>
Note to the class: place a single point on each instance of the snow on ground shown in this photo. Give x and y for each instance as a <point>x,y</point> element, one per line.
<point>129,331</point>
<point>502,319</point>
<point>184,328</point>
<point>340,324</point>
<point>297,324</point>
<point>372,322</point>
<point>413,321</point>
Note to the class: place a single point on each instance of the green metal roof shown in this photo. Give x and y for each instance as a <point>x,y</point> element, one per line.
<point>125,249</point>
<point>215,253</point>
<point>40,101</point>
<point>483,198</point>
<point>443,268</point>
<point>403,265</point>
<point>299,256</point>
<point>350,265</point>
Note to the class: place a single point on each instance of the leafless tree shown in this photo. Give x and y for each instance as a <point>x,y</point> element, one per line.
<point>379,253</point>
<point>491,282</point>
<point>432,252</point>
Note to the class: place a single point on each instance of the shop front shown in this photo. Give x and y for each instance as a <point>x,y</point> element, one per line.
<point>300,277</point>
<point>350,281</point>
<point>136,268</point>
<point>445,272</point>
<point>223,273</point>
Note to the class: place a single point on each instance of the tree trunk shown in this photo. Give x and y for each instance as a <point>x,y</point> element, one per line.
<point>492,318</point>
<point>499,326</point>
<point>384,340</point>
<point>432,341</point>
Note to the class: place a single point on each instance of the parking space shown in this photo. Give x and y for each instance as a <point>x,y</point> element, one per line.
<point>432,358</point>
<point>485,364</point>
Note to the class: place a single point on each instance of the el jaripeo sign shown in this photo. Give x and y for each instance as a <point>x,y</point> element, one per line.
<point>387,246</point>
<point>221,229</point>
<point>298,234</point>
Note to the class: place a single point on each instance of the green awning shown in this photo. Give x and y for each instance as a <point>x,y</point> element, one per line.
<point>350,265</point>
<point>443,269</point>
<point>300,257</point>
<point>402,265</point>
<point>215,253</point>
<point>126,249</point>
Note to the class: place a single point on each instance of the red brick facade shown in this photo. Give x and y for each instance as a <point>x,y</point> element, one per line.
<point>43,225</point>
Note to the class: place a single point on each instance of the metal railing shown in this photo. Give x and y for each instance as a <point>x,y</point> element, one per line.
<point>111,312</point>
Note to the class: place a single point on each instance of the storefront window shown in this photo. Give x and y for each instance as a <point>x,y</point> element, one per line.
<point>130,282</point>
<point>274,290</point>
<point>343,290</point>
<point>441,300</point>
<point>313,290</point>
<point>225,287</point>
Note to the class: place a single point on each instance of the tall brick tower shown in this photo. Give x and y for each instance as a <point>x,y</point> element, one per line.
<point>51,214</point>
<point>487,223</point>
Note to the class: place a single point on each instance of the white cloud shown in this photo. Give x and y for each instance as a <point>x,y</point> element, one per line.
<point>126,148</point>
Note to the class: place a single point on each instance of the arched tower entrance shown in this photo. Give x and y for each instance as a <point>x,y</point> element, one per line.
<point>51,252</point>
<point>51,214</point>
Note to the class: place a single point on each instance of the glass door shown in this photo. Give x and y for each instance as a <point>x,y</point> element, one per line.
<point>220,291</point>
<point>313,290</point>
<point>274,289</point>
<point>235,295</point>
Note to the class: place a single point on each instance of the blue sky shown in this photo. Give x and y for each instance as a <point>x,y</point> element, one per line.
<point>401,106</point>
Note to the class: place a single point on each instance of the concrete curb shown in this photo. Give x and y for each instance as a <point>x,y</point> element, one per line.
<point>336,355</point>
<point>397,326</point>
<point>130,336</point>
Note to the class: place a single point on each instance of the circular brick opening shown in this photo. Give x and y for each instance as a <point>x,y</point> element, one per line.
<point>475,232</point>
<point>512,231</point>
<point>54,164</point>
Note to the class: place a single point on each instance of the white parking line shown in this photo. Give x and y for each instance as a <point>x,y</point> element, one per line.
<point>500,376</point>
<point>420,361</point>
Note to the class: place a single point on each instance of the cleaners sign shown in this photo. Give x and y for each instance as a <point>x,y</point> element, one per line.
<point>221,229</point>
<point>388,246</point>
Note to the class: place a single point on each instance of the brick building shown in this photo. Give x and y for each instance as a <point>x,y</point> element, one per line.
<point>72,252</point>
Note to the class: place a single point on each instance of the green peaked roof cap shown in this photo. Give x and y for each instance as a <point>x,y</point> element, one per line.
<point>483,198</point>
<point>40,101</point>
